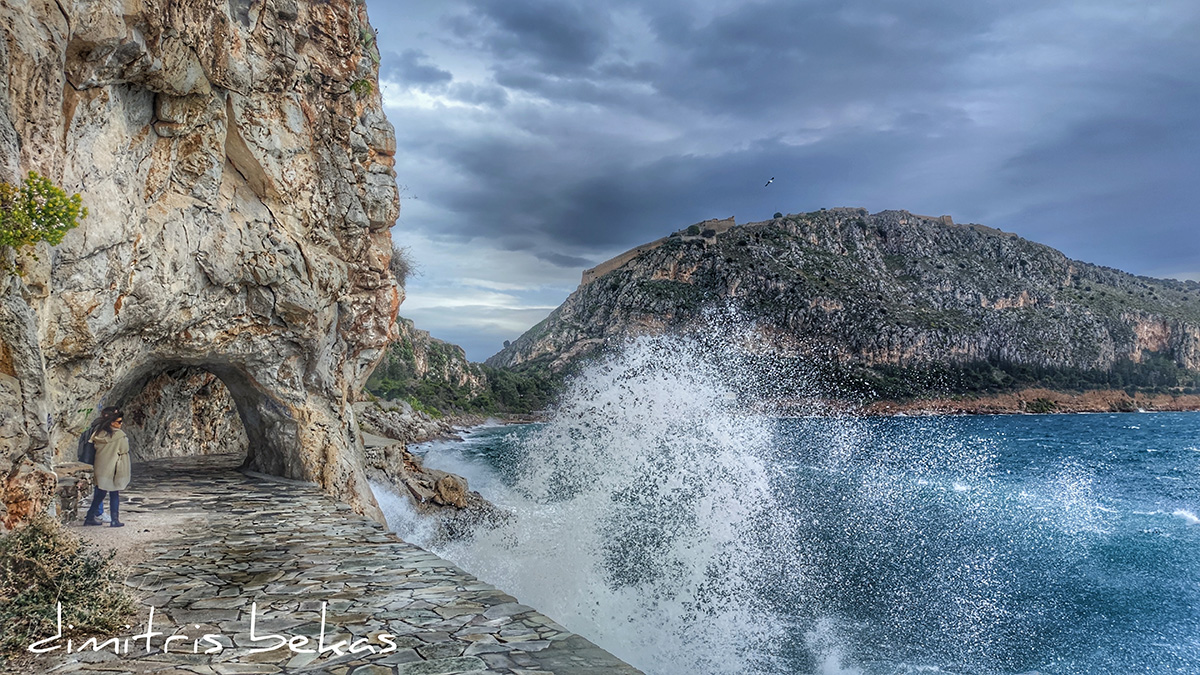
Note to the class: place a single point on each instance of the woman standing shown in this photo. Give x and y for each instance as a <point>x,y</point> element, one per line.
<point>111,470</point>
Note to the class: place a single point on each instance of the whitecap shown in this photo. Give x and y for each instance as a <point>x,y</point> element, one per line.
<point>1187,516</point>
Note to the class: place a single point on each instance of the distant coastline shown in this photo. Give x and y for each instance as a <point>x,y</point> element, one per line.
<point>1039,401</point>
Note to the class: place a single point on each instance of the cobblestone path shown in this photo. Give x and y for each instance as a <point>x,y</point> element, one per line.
<point>284,552</point>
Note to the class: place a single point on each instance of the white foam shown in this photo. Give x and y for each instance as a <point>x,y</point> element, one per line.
<point>825,642</point>
<point>633,516</point>
<point>1187,516</point>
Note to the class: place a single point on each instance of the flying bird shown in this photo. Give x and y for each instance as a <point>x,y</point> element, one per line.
<point>770,181</point>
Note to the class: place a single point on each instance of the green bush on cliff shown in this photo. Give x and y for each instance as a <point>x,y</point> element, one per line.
<point>45,564</point>
<point>1041,406</point>
<point>507,391</point>
<point>36,210</point>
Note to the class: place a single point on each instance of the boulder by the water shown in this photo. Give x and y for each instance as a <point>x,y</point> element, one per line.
<point>388,428</point>
<point>443,496</point>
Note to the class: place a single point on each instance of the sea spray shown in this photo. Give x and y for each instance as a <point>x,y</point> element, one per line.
<point>645,518</point>
<point>655,516</point>
<point>658,518</point>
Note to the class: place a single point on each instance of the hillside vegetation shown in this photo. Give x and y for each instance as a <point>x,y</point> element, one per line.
<point>435,377</point>
<point>890,305</point>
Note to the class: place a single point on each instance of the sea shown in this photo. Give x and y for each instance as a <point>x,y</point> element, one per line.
<point>655,514</point>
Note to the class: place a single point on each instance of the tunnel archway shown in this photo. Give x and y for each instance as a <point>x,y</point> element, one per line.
<point>264,431</point>
<point>184,412</point>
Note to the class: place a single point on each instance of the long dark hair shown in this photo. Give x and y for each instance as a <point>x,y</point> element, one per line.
<point>105,412</point>
<point>107,417</point>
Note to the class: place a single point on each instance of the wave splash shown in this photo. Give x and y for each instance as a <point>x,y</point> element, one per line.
<point>655,516</point>
<point>645,517</point>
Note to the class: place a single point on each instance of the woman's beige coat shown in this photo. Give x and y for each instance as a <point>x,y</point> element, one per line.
<point>112,460</point>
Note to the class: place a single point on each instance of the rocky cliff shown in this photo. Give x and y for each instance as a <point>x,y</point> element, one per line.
<point>890,289</point>
<point>435,377</point>
<point>237,167</point>
<point>415,355</point>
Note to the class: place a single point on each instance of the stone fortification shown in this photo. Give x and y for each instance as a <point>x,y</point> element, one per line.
<point>237,167</point>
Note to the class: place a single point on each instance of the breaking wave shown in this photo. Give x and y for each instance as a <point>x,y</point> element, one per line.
<point>655,516</point>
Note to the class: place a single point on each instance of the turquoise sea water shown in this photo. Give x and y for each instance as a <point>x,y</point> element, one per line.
<point>689,539</point>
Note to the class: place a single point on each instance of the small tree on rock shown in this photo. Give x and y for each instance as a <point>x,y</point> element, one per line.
<point>36,210</point>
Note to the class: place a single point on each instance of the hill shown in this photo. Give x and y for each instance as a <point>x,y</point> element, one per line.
<point>434,377</point>
<point>889,305</point>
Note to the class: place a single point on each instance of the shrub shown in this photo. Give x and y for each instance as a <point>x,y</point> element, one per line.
<point>1041,406</point>
<point>45,564</point>
<point>37,210</point>
<point>402,265</point>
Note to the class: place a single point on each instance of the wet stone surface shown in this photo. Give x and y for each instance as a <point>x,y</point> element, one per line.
<point>283,553</point>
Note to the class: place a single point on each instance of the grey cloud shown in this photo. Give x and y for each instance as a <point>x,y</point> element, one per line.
<point>408,68</point>
<point>480,331</point>
<point>778,54</point>
<point>562,260</point>
<point>555,35</point>
<point>576,90</point>
<point>487,95</point>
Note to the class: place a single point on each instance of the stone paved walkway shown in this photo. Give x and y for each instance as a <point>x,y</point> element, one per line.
<point>290,550</point>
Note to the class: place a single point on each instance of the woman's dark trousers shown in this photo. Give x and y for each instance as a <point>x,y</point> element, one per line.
<point>114,500</point>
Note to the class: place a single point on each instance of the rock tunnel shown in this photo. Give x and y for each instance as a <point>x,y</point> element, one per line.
<point>183,408</point>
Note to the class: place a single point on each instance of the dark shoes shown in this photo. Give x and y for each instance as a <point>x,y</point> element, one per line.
<point>115,523</point>
<point>90,522</point>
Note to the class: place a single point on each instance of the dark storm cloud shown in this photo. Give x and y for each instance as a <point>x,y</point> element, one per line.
<point>553,35</point>
<point>1112,185</point>
<point>408,67</point>
<point>775,54</point>
<point>593,127</point>
<point>765,55</point>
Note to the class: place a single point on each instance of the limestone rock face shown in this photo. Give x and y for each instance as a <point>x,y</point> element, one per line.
<point>184,412</point>
<point>887,289</point>
<point>399,421</point>
<point>237,167</point>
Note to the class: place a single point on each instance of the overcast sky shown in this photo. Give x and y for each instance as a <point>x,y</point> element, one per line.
<point>537,138</point>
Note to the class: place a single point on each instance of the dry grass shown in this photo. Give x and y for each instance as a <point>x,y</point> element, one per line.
<point>45,564</point>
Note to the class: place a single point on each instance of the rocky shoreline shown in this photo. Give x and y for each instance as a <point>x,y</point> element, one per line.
<point>1039,401</point>
<point>1032,401</point>
<point>389,427</point>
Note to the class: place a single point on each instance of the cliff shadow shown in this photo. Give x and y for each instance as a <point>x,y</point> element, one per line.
<point>185,408</point>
